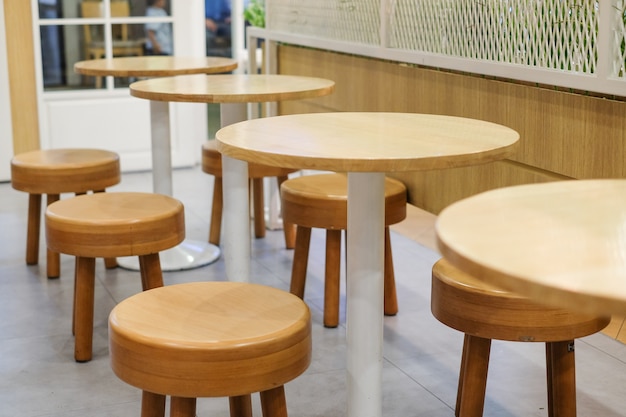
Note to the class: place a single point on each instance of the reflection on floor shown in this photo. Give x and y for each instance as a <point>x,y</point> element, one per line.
<point>38,376</point>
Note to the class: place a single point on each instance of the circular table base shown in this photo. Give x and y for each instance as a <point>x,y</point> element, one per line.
<point>189,254</point>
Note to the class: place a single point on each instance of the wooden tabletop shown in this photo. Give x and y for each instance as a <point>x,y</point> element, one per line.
<point>367,142</point>
<point>232,88</point>
<point>154,66</point>
<point>561,243</point>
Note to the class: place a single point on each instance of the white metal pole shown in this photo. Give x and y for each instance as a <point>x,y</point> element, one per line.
<point>364,312</point>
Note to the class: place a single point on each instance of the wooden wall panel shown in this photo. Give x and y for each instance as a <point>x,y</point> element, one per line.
<point>20,57</point>
<point>563,134</point>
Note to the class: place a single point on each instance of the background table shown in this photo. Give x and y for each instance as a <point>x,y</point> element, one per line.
<point>233,92</point>
<point>561,243</point>
<point>189,254</point>
<point>366,145</point>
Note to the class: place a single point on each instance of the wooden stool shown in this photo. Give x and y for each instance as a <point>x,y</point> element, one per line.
<point>111,225</point>
<point>321,201</point>
<point>57,171</point>
<point>212,164</point>
<point>484,313</point>
<point>210,339</point>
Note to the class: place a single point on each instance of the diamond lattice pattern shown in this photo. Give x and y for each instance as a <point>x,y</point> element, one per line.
<point>555,34</point>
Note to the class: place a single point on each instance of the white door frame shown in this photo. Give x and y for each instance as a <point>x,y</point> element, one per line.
<point>114,120</point>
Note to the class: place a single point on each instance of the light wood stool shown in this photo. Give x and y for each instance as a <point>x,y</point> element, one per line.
<point>53,172</point>
<point>210,339</point>
<point>111,225</point>
<point>212,164</point>
<point>321,201</point>
<point>484,313</point>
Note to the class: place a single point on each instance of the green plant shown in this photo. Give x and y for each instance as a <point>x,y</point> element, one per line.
<point>255,13</point>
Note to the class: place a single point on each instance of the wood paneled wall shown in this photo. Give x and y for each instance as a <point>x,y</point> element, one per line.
<point>563,135</point>
<point>20,57</point>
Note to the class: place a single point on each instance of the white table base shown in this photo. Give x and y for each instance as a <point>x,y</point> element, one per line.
<point>189,254</point>
<point>236,238</point>
<point>364,293</point>
<point>194,253</point>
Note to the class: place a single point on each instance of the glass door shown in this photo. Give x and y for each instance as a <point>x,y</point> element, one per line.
<point>76,30</point>
<point>81,111</point>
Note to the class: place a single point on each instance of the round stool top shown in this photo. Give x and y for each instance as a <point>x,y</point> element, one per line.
<point>56,171</point>
<point>322,201</point>
<point>114,224</point>
<point>474,307</point>
<point>210,339</point>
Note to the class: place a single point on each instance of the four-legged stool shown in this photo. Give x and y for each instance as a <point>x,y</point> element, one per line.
<point>484,313</point>
<point>210,339</point>
<point>212,164</point>
<point>56,171</point>
<point>321,201</point>
<point>111,225</point>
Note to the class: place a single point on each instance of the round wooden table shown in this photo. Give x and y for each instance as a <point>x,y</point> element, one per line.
<point>154,66</point>
<point>233,92</point>
<point>366,145</point>
<point>189,254</point>
<point>560,243</point>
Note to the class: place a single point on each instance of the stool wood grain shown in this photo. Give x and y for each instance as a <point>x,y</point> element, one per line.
<point>210,339</point>
<point>111,225</point>
<point>484,312</point>
<point>321,201</point>
<point>53,172</point>
<point>212,164</point>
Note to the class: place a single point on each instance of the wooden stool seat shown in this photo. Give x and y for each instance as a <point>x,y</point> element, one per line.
<point>111,225</point>
<point>484,312</point>
<point>53,172</point>
<point>212,164</point>
<point>320,201</point>
<point>210,339</point>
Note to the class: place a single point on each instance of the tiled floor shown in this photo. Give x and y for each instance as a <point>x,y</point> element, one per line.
<point>38,376</point>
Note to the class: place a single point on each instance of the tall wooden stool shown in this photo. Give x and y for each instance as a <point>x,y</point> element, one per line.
<point>111,225</point>
<point>321,201</point>
<point>484,313</point>
<point>212,164</point>
<point>210,339</point>
<point>53,172</point>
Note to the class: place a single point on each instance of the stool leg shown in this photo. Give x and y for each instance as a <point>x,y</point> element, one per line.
<point>83,312</point>
<point>240,406</point>
<point>152,405</point>
<point>151,273</point>
<point>289,229</point>
<point>258,204</point>
<point>391,300</point>
<point>216,213</point>
<point>273,402</point>
<point>300,261</point>
<point>470,400</point>
<point>109,263</point>
<point>182,407</point>
<point>331,278</point>
<point>33,229</point>
<point>53,259</point>
<point>561,372</point>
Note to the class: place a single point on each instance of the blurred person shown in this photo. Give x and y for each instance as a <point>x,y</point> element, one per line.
<point>159,33</point>
<point>217,15</point>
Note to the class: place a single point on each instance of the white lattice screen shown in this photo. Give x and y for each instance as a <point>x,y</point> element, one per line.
<point>344,20</point>
<point>554,34</point>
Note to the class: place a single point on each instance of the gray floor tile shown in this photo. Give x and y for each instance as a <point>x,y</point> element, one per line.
<point>39,378</point>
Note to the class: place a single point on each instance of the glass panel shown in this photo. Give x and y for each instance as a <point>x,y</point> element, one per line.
<point>94,8</point>
<point>49,9</point>
<point>139,7</point>
<point>61,47</point>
